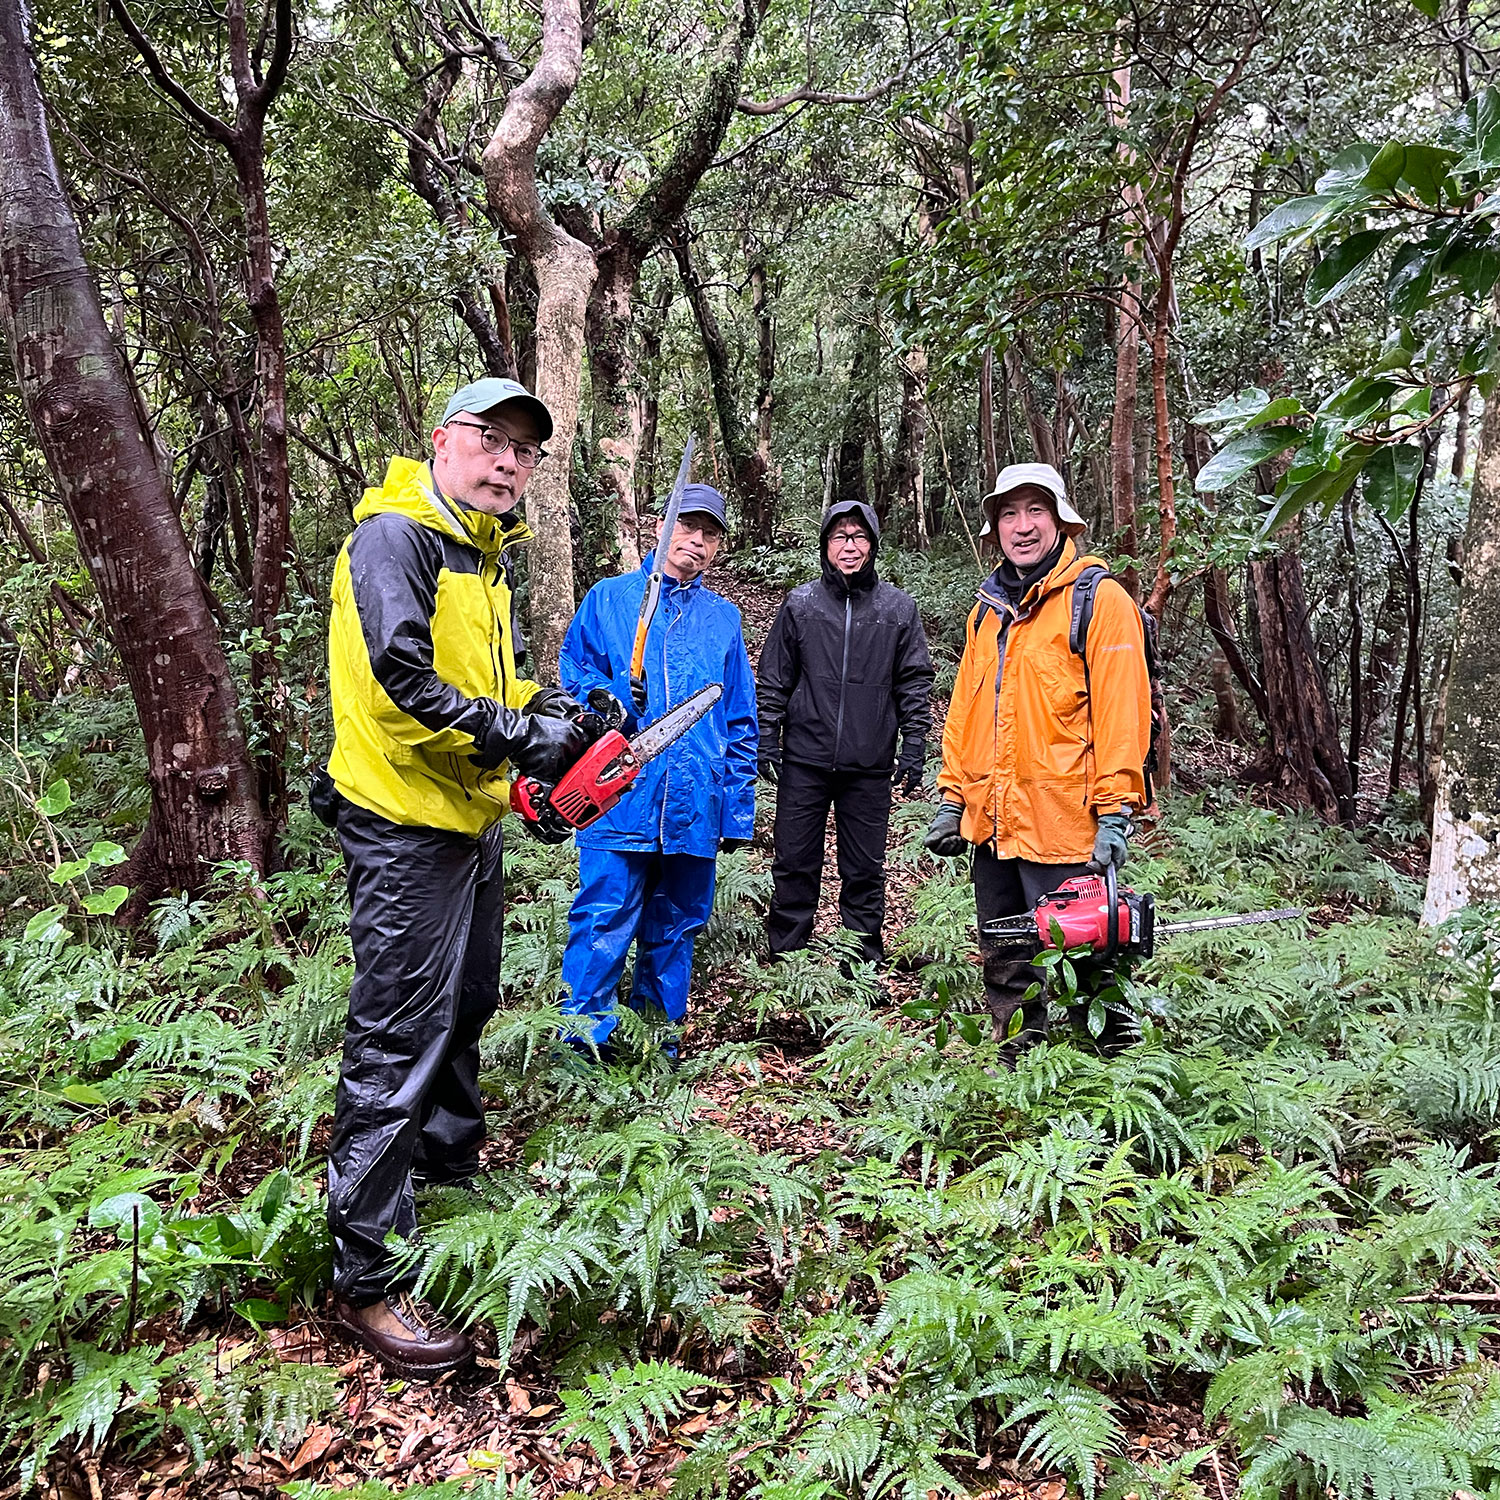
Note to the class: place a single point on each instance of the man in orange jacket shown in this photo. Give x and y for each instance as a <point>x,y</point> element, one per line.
<point>1044,749</point>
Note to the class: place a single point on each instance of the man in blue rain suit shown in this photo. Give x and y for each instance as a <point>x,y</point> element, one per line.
<point>646,869</point>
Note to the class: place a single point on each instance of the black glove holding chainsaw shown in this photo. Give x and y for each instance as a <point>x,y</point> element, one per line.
<point>538,745</point>
<point>910,765</point>
<point>638,694</point>
<point>942,836</point>
<point>553,703</point>
<point>1112,841</point>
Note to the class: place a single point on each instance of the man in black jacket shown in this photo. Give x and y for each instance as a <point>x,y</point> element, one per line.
<point>844,667</point>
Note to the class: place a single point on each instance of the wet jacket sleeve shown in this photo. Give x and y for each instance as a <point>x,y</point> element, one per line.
<point>911,683</point>
<point>1119,701</point>
<point>737,820</point>
<point>780,665</point>
<point>393,575</point>
<point>950,779</point>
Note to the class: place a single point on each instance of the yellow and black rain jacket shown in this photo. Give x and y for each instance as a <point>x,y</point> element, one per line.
<point>421,659</point>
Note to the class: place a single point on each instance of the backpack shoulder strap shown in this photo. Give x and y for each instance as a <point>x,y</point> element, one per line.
<point>1085,586</point>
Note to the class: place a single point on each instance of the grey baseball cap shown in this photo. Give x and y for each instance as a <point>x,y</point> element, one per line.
<point>485,395</point>
<point>1038,476</point>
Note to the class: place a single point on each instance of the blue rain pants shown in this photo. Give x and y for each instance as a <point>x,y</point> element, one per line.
<point>662,901</point>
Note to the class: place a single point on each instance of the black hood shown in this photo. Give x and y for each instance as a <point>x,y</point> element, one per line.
<point>853,583</point>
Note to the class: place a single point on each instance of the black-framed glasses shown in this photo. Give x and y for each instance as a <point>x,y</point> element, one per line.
<point>850,538</point>
<point>494,440</point>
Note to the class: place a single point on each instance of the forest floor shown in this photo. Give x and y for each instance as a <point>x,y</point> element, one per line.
<point>499,1419</point>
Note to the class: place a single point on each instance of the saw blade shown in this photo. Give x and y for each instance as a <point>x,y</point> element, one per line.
<point>675,723</point>
<point>1243,919</point>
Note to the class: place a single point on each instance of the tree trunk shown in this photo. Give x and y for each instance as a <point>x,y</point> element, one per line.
<point>1306,757</point>
<point>911,448</point>
<point>765,369</point>
<point>751,479</point>
<point>852,483</point>
<point>204,804</point>
<point>564,270</point>
<point>1466,820</point>
<point>1166,487</point>
<point>989,460</point>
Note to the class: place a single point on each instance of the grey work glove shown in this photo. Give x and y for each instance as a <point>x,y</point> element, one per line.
<point>1112,841</point>
<point>942,836</point>
<point>768,768</point>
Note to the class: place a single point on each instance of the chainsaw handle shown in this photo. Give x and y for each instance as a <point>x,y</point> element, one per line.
<point>1112,899</point>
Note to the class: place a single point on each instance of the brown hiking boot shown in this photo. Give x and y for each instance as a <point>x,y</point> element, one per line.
<point>405,1337</point>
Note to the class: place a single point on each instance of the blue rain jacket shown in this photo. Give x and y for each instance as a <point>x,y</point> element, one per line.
<point>702,788</point>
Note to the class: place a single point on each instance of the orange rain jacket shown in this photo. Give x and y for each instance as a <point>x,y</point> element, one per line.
<point>1034,755</point>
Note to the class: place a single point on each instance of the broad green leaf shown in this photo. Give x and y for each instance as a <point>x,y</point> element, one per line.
<point>1321,450</point>
<point>1346,172</point>
<point>968,1028</point>
<point>258,1311</point>
<point>921,1010</point>
<point>69,869</point>
<point>1391,479</point>
<point>1287,218</point>
<point>1359,401</point>
<point>1017,1022</point>
<point>1096,1016</point>
<point>1424,170</point>
<point>1409,281</point>
<point>107,902</point>
<point>1428,8</point>
<point>1239,455</point>
<point>940,1035</point>
<point>56,799</point>
<point>1247,403</point>
<point>1325,488</point>
<point>103,852</point>
<point>120,1212</point>
<point>1278,411</point>
<point>1478,131</point>
<point>1344,265</point>
<point>84,1093</point>
<point>45,925</point>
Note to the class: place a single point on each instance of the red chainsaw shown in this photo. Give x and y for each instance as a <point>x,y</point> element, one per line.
<point>1095,911</point>
<point>597,780</point>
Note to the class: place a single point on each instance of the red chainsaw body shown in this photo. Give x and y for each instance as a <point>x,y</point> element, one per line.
<point>1080,909</point>
<point>592,785</point>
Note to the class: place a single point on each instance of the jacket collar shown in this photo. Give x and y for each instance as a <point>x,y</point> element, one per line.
<point>1069,565</point>
<point>409,490</point>
<point>649,561</point>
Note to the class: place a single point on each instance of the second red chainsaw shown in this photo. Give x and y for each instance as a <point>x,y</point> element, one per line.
<point>1095,911</point>
<point>597,780</point>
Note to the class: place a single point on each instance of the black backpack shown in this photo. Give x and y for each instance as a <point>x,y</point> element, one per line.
<point>1085,586</point>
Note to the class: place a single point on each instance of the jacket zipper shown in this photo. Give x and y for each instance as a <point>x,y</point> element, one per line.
<point>838,729</point>
<point>666,770</point>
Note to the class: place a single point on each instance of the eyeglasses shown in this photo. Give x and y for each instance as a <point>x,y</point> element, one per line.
<point>709,530</point>
<point>493,440</point>
<point>849,539</point>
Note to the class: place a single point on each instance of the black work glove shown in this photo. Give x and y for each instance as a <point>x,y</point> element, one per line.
<point>910,766</point>
<point>1112,841</point>
<point>544,747</point>
<point>607,707</point>
<point>553,702</point>
<point>729,845</point>
<point>549,827</point>
<point>638,695</point>
<point>769,769</point>
<point>942,836</point>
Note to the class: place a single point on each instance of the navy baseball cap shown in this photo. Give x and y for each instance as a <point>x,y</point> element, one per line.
<point>703,500</point>
<point>485,395</point>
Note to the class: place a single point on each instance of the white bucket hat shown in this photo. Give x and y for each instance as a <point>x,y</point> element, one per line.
<point>1043,477</point>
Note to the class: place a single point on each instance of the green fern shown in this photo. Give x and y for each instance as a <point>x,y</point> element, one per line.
<point>612,1408</point>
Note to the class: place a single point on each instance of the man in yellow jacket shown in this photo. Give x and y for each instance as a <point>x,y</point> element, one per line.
<point>428,712</point>
<point>1044,747</point>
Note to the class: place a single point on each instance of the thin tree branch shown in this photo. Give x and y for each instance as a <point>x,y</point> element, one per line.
<point>209,123</point>
<point>807,94</point>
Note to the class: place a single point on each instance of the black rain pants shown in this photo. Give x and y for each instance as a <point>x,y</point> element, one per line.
<point>425,909</point>
<point>861,805</point>
<point>1006,888</point>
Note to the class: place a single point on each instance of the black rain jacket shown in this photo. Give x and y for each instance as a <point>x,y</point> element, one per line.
<point>845,667</point>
